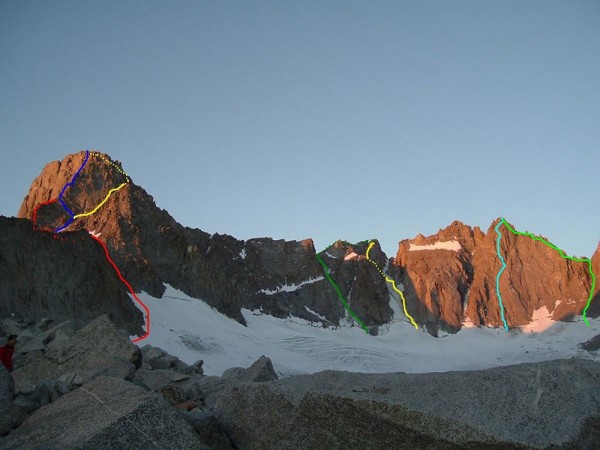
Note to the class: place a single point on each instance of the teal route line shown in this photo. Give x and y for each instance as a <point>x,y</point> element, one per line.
<point>552,246</point>
<point>339,292</point>
<point>500,273</point>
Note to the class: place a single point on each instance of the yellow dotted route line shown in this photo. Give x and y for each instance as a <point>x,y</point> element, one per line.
<point>109,192</point>
<point>100,155</point>
<point>390,280</point>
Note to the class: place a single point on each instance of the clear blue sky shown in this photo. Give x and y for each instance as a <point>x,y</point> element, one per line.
<point>336,119</point>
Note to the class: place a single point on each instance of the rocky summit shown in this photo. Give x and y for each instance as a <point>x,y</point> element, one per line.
<point>447,279</point>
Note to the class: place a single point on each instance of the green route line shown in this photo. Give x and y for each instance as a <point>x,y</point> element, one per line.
<point>391,280</point>
<point>339,292</point>
<point>562,254</point>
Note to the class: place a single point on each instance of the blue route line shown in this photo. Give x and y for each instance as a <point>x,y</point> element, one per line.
<point>500,272</point>
<point>62,202</point>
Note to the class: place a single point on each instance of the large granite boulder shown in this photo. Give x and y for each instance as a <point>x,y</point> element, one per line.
<point>105,413</point>
<point>539,405</point>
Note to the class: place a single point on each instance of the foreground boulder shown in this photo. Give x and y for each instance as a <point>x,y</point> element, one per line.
<point>97,349</point>
<point>105,413</point>
<point>554,403</point>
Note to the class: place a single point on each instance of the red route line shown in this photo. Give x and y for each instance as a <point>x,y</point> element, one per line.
<point>112,263</point>
<point>35,211</point>
<point>128,287</point>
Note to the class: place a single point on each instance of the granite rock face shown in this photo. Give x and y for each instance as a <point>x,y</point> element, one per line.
<point>63,277</point>
<point>450,278</point>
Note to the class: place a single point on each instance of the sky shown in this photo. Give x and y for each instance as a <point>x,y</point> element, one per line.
<point>310,119</point>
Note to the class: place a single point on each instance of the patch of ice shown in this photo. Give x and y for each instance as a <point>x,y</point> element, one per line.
<point>540,321</point>
<point>440,245</point>
<point>95,233</point>
<point>330,255</point>
<point>290,287</point>
<point>243,253</point>
<point>468,323</point>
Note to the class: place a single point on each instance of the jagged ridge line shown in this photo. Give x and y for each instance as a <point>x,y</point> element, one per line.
<point>99,155</point>
<point>391,280</point>
<point>500,273</point>
<point>563,255</point>
<point>339,292</point>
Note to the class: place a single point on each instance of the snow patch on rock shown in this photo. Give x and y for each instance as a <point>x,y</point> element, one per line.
<point>290,287</point>
<point>440,245</point>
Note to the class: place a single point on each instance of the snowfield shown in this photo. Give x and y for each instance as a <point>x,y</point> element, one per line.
<point>190,329</point>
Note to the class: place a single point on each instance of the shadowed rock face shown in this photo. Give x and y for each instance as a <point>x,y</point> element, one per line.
<point>66,277</point>
<point>359,280</point>
<point>444,287</point>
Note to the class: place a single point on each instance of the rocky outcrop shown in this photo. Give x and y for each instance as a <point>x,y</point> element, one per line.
<point>97,349</point>
<point>259,372</point>
<point>64,277</point>
<point>360,280</point>
<point>64,368</point>
<point>450,278</point>
<point>508,407</point>
<point>105,413</point>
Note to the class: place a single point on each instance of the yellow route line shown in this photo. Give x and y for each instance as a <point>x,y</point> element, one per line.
<point>390,280</point>
<point>109,192</point>
<point>101,203</point>
<point>99,155</point>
